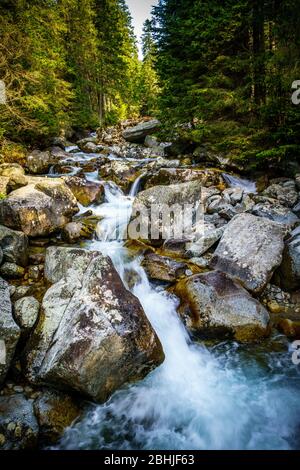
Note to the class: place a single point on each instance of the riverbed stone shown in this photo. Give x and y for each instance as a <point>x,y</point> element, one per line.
<point>121,173</point>
<point>167,176</point>
<point>93,335</point>
<point>14,245</point>
<point>26,311</point>
<point>55,411</point>
<point>39,209</point>
<point>273,210</point>
<point>162,268</point>
<point>250,250</point>
<point>11,271</point>
<point>39,163</point>
<point>289,271</point>
<point>214,305</point>
<point>137,134</point>
<point>18,424</point>
<point>176,199</point>
<point>9,331</point>
<point>285,193</point>
<point>86,192</point>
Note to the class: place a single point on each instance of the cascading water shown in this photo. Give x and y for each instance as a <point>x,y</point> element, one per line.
<point>227,396</point>
<point>236,182</point>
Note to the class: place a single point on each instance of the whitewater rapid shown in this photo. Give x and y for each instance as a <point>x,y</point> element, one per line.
<point>227,396</point>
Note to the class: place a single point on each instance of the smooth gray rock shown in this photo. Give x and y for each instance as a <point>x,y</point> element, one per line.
<point>214,305</point>
<point>93,335</point>
<point>250,250</point>
<point>9,331</point>
<point>138,133</point>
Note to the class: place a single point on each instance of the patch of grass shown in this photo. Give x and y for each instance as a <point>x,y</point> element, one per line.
<point>11,152</point>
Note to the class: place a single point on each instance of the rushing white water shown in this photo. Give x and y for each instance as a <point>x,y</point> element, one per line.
<point>136,185</point>
<point>226,397</point>
<point>236,182</point>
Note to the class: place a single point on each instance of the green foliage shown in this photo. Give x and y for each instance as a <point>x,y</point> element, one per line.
<point>66,63</point>
<point>227,68</point>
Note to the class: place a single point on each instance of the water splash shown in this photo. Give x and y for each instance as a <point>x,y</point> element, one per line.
<point>236,182</point>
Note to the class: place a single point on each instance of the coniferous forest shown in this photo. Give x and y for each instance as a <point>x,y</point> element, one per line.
<point>149,226</point>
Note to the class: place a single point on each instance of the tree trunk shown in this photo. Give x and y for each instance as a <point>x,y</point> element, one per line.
<point>258,32</point>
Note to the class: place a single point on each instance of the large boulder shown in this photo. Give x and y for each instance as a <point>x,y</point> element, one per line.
<point>285,192</point>
<point>162,268</point>
<point>273,210</point>
<point>86,192</point>
<point>214,305</point>
<point>14,246</point>
<point>160,212</point>
<point>9,331</point>
<point>167,176</point>
<point>122,173</point>
<point>55,411</point>
<point>93,335</point>
<point>18,425</point>
<point>138,133</point>
<point>39,209</point>
<point>39,163</point>
<point>289,271</point>
<point>250,250</point>
<point>11,170</point>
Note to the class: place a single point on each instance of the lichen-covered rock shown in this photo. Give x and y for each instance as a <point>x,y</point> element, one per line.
<point>285,193</point>
<point>55,411</point>
<point>26,311</point>
<point>162,268</point>
<point>14,246</point>
<point>93,335</point>
<point>39,163</point>
<point>167,176</point>
<point>289,271</point>
<point>74,231</point>
<point>11,271</point>
<point>175,202</point>
<point>121,173</point>
<point>18,425</point>
<point>4,182</point>
<point>214,305</point>
<point>11,169</point>
<point>138,133</point>
<point>9,331</point>
<point>276,212</point>
<point>86,192</point>
<point>38,209</point>
<point>250,250</point>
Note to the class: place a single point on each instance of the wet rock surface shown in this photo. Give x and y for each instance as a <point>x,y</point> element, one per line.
<point>93,335</point>
<point>250,250</point>
<point>214,305</point>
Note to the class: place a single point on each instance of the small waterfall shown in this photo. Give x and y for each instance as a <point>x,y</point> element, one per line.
<point>236,182</point>
<point>136,185</point>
